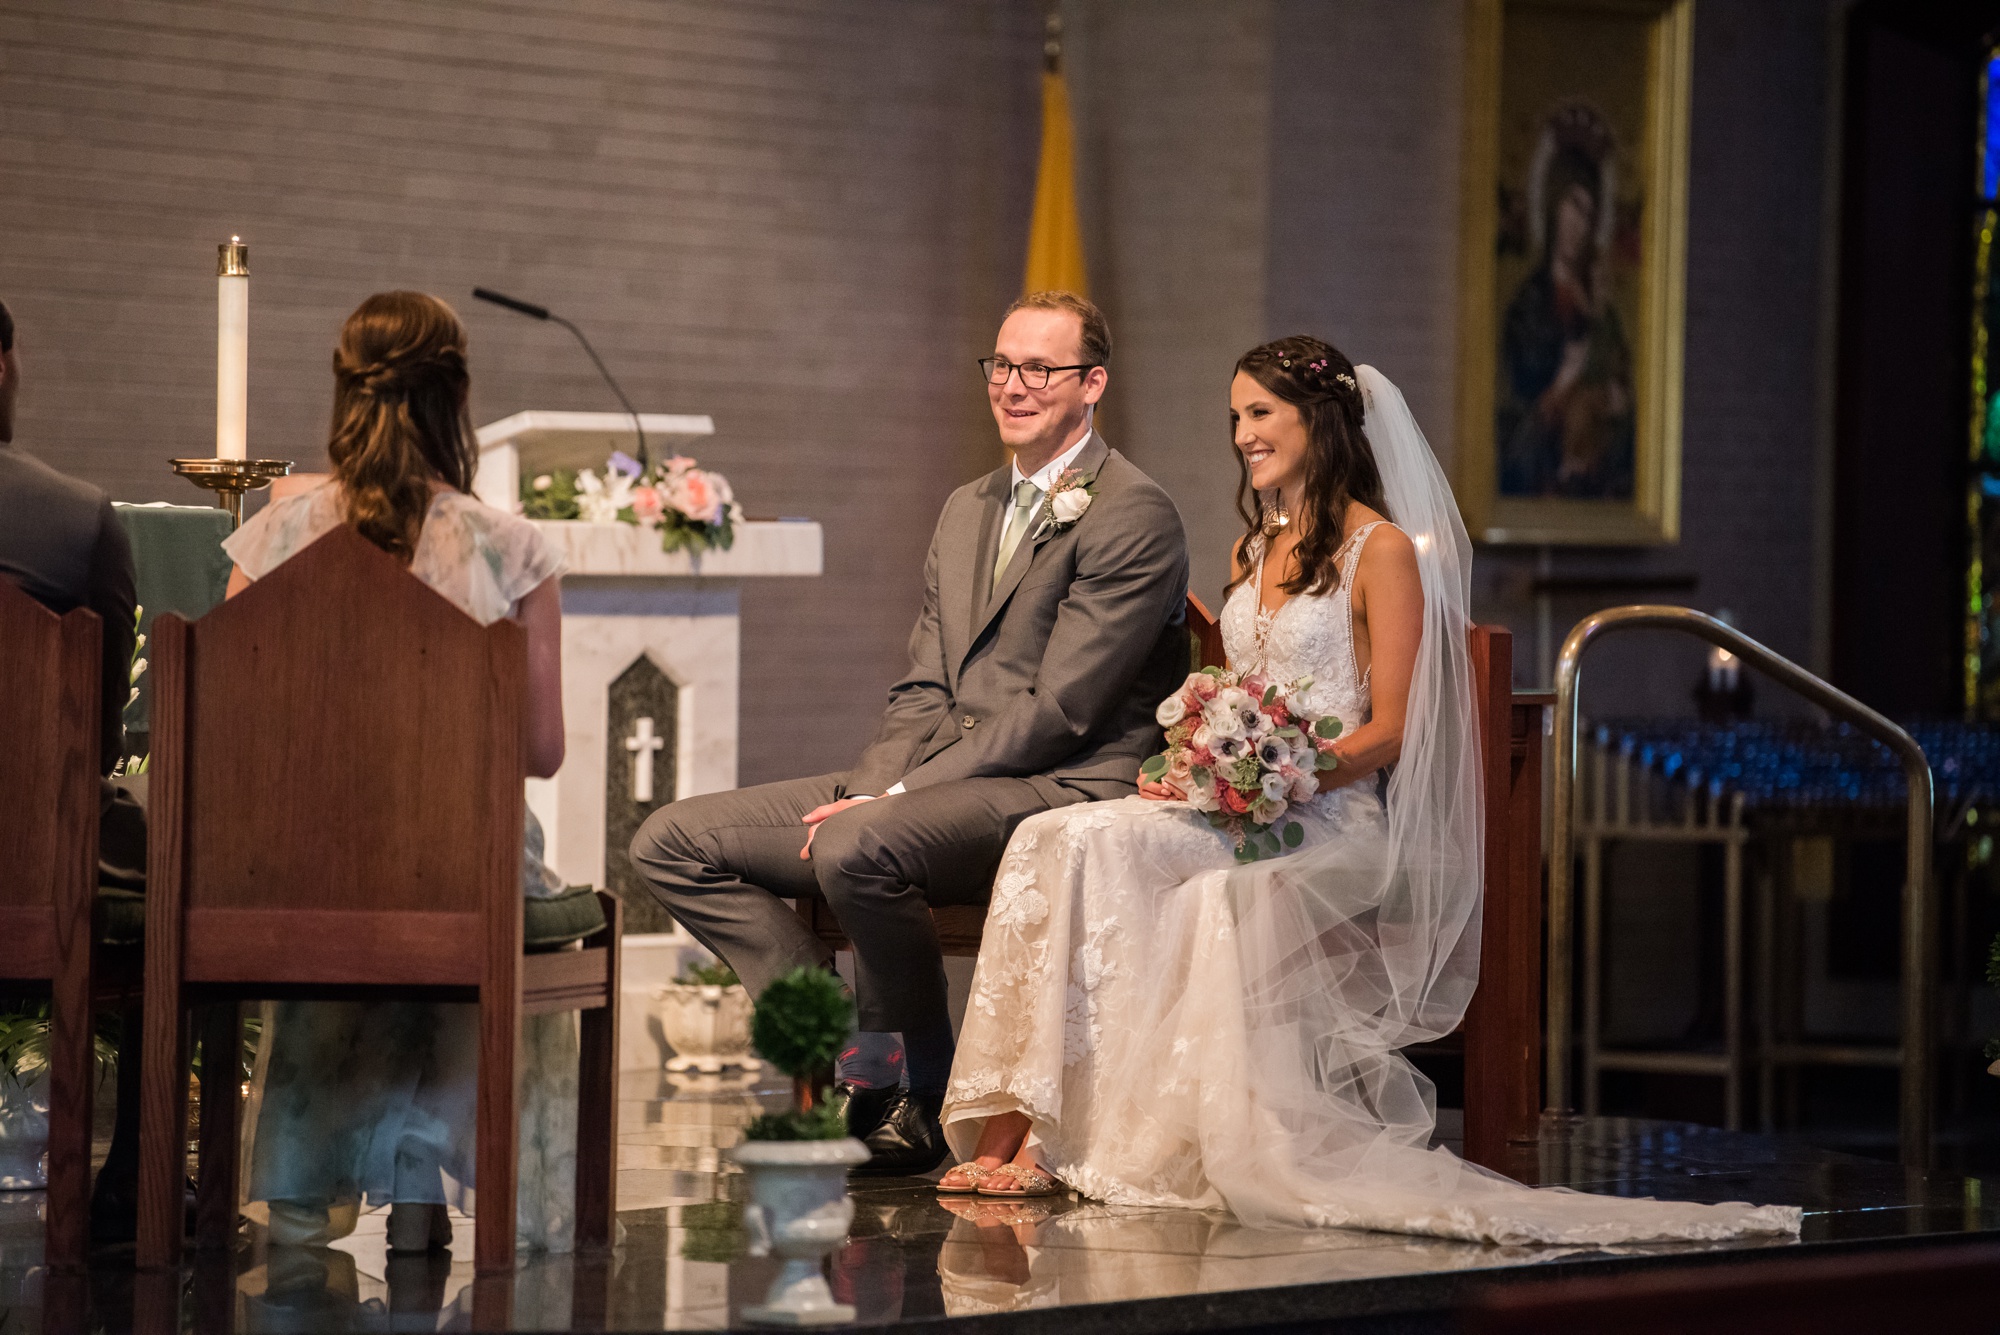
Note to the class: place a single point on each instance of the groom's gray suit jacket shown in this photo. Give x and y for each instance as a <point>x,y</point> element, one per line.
<point>1056,675</point>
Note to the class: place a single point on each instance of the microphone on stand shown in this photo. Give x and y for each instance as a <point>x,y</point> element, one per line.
<point>534,312</point>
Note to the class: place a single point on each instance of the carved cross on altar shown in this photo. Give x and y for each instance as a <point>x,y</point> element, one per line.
<point>643,744</point>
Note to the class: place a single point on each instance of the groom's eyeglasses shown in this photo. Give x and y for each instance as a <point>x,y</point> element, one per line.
<point>1034,375</point>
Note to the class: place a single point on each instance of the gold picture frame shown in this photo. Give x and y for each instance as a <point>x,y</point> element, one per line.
<point>1573,268</point>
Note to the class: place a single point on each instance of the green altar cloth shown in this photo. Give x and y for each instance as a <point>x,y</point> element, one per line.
<point>178,557</point>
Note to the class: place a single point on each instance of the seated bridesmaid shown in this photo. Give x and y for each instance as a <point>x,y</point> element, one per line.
<point>364,1103</point>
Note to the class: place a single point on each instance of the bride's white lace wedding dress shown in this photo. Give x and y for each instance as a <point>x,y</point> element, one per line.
<point>1183,1034</point>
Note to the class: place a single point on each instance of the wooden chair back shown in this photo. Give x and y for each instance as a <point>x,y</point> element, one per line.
<point>49,724</point>
<point>1502,1031</point>
<point>1204,636</point>
<point>49,721</point>
<point>338,793</point>
<point>332,745</point>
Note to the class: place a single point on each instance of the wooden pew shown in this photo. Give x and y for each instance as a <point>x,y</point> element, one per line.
<point>1500,1038</point>
<point>337,806</point>
<point>49,721</point>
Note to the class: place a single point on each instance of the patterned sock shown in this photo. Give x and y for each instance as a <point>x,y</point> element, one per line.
<point>930,1051</point>
<point>871,1061</point>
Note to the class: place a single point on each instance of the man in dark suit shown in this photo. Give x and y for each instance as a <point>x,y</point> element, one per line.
<point>1053,624</point>
<point>61,541</point>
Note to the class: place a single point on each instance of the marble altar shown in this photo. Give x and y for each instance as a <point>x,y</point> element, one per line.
<point>651,649</point>
<point>651,646</point>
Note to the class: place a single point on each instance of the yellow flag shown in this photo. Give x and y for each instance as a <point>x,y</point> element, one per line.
<point>1055,241</point>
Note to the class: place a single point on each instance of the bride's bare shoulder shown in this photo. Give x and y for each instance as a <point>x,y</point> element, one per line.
<point>1388,558</point>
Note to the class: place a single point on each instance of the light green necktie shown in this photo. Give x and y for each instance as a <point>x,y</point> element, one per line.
<point>1025,496</point>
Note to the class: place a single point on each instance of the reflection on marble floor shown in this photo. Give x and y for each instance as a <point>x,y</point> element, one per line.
<point>912,1254</point>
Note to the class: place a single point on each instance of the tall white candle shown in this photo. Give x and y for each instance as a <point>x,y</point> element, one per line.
<point>232,349</point>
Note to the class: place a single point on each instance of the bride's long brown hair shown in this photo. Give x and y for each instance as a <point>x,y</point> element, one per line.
<point>1316,378</point>
<point>400,389</point>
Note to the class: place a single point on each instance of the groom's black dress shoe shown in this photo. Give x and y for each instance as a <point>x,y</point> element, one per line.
<point>910,1141</point>
<point>863,1107</point>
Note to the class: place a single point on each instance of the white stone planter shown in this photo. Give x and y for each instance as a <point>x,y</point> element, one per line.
<point>798,1209</point>
<point>24,1134</point>
<point>708,1027</point>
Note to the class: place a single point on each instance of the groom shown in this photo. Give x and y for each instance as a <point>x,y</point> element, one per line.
<point>1052,626</point>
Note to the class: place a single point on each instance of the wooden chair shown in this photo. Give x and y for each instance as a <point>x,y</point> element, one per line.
<point>1501,1037</point>
<point>49,719</point>
<point>337,807</point>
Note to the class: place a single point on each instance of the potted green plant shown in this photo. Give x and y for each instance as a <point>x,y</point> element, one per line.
<point>797,1160</point>
<point>705,1016</point>
<point>24,1096</point>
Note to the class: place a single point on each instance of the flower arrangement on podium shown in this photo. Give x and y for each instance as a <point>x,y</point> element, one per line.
<point>691,508</point>
<point>1244,749</point>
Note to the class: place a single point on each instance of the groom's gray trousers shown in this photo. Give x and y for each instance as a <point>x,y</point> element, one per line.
<point>723,864</point>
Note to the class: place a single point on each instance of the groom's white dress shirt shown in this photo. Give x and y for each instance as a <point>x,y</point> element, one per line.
<point>1046,475</point>
<point>1044,478</point>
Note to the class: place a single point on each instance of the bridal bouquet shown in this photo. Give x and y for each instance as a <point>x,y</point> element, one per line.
<point>691,508</point>
<point>1244,749</point>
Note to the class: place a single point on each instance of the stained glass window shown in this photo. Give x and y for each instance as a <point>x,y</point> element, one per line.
<point>1982,498</point>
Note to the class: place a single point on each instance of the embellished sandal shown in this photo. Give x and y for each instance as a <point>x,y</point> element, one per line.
<point>1027,1182</point>
<point>992,1212</point>
<point>972,1173</point>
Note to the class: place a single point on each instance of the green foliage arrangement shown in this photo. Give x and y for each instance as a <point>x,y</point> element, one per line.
<point>556,500</point>
<point>716,974</point>
<point>799,1025</point>
<point>24,1041</point>
<point>713,1231</point>
<point>136,669</point>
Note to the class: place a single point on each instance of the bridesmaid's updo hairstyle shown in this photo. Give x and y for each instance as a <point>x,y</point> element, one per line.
<point>1318,380</point>
<point>399,415</point>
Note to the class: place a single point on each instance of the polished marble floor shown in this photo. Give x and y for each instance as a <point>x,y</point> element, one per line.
<point>914,1256</point>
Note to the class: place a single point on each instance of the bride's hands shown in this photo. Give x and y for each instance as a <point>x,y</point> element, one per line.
<point>1160,791</point>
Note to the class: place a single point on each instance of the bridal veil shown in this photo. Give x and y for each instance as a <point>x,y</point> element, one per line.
<point>1350,951</point>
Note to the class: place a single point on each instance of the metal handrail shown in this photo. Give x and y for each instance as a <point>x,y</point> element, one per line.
<point>1917,922</point>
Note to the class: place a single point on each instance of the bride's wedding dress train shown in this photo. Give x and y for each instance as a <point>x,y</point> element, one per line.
<point>1185,1033</point>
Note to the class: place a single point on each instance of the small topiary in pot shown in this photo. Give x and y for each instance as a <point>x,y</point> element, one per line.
<point>800,1023</point>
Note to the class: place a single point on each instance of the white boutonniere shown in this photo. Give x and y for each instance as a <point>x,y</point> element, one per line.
<point>1069,497</point>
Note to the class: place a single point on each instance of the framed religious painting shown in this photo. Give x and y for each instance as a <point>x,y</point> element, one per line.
<point>1573,267</point>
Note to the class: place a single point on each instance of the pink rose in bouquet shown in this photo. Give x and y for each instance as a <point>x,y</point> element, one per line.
<point>1244,749</point>
<point>693,496</point>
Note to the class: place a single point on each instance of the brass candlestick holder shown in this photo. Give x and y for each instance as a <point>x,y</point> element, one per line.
<point>230,478</point>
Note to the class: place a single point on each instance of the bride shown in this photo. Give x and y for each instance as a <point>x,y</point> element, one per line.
<point>1153,1023</point>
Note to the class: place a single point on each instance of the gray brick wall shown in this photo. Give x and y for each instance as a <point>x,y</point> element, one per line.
<point>1172,110</point>
<point>801,217</point>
